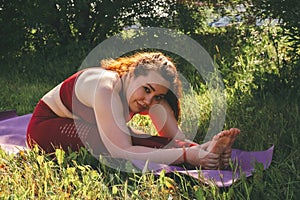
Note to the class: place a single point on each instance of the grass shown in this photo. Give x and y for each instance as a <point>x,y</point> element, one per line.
<point>265,119</point>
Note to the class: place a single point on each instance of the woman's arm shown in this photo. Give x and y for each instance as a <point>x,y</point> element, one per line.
<point>164,121</point>
<point>116,137</point>
<point>113,130</point>
<point>115,133</point>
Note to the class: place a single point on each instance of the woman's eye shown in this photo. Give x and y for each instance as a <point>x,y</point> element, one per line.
<point>147,90</point>
<point>159,97</point>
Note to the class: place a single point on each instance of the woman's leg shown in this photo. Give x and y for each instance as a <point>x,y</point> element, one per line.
<point>53,133</point>
<point>49,131</point>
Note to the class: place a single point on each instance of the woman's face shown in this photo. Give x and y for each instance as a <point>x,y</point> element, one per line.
<point>145,91</point>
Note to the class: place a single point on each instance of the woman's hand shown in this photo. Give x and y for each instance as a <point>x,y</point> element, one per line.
<point>196,156</point>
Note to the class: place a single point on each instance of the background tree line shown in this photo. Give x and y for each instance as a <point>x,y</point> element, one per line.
<point>57,28</point>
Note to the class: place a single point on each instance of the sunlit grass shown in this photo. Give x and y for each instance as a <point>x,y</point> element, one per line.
<point>265,119</point>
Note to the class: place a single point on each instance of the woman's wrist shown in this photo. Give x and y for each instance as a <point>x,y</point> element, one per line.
<point>184,156</point>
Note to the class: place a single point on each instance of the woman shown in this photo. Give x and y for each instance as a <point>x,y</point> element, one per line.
<point>92,108</point>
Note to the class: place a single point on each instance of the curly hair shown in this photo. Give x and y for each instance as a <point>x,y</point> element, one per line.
<point>140,64</point>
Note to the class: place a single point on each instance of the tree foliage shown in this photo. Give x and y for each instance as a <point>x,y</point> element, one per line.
<point>36,25</point>
<point>60,27</point>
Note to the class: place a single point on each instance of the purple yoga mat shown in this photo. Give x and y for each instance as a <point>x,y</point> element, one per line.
<point>13,138</point>
<point>13,131</point>
<point>7,114</point>
<point>244,163</point>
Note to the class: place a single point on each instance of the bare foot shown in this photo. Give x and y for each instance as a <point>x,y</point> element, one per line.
<point>223,141</point>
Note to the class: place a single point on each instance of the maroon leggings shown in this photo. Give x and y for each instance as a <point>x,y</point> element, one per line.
<point>50,131</point>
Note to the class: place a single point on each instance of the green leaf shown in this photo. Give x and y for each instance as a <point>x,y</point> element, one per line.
<point>60,155</point>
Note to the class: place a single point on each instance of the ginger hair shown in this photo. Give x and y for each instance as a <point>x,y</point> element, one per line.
<point>140,64</point>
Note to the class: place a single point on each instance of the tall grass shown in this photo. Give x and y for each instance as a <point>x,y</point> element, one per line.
<point>265,121</point>
<point>265,118</point>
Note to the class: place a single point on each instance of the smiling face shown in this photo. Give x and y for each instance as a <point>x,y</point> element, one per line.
<point>145,91</point>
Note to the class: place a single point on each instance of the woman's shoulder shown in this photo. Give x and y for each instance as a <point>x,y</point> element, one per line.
<point>94,81</point>
<point>96,71</point>
<point>96,77</point>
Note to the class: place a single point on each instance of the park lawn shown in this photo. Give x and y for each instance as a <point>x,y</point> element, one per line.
<point>265,119</point>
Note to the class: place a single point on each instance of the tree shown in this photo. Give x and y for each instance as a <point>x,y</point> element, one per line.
<point>41,25</point>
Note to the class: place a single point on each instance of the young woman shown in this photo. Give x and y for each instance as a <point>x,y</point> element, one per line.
<point>92,107</point>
